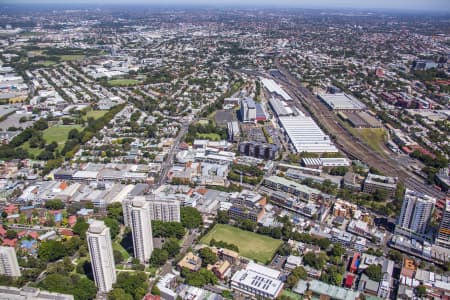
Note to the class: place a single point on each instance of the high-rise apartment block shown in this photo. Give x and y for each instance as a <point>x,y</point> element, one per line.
<point>102,257</point>
<point>141,229</point>
<point>443,238</point>
<point>416,212</point>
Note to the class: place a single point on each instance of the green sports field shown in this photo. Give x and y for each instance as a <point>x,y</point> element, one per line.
<point>56,133</point>
<point>96,114</point>
<point>122,82</point>
<point>251,245</point>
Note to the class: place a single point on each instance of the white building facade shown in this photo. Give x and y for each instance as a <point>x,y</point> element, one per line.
<point>141,229</point>
<point>8,262</point>
<point>102,256</point>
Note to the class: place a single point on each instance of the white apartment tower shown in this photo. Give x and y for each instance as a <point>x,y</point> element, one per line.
<point>141,229</point>
<point>102,257</point>
<point>8,262</point>
<point>166,210</point>
<point>126,208</point>
<point>416,211</point>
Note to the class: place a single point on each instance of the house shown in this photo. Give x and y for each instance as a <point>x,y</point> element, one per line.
<point>10,242</point>
<point>191,262</point>
<point>221,269</point>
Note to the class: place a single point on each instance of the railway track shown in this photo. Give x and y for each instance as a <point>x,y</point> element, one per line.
<point>347,143</point>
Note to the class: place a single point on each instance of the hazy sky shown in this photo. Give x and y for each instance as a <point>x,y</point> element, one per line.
<point>436,5</point>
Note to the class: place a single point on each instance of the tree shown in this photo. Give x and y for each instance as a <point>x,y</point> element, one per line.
<point>40,125</point>
<point>276,233</point>
<point>337,250</point>
<point>51,250</point>
<point>339,171</point>
<point>81,227</point>
<point>74,134</point>
<point>200,278</point>
<point>81,287</point>
<point>332,276</point>
<point>11,234</point>
<point>222,217</point>
<point>292,280</point>
<point>113,225</point>
<point>374,272</point>
<point>155,290</point>
<point>159,257</point>
<point>190,217</point>
<point>396,256</point>
<point>421,291</point>
<point>315,260</point>
<point>380,195</point>
<point>54,204</point>
<point>119,294</point>
<point>167,229</point>
<point>115,211</point>
<point>172,247</point>
<point>323,243</point>
<point>208,256</point>
<point>296,274</point>
<point>118,257</point>
<point>135,284</point>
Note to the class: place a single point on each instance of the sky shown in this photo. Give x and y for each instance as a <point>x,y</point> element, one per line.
<point>428,5</point>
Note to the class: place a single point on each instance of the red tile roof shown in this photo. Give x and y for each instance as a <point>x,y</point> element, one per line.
<point>8,242</point>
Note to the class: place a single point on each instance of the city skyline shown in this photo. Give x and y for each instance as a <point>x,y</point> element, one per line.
<point>433,5</point>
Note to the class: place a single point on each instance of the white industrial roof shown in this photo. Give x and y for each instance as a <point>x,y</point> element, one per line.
<point>306,136</point>
<point>342,101</point>
<point>273,87</point>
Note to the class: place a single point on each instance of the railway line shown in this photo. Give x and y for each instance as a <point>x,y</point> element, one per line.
<point>353,147</point>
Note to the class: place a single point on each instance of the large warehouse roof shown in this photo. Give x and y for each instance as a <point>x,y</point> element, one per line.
<point>279,107</point>
<point>342,101</point>
<point>273,87</point>
<point>306,136</point>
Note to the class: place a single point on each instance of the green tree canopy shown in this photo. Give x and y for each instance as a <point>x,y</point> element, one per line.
<point>190,217</point>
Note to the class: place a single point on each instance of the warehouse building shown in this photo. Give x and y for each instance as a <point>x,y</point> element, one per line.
<point>274,88</point>
<point>280,107</point>
<point>305,135</point>
<point>342,101</point>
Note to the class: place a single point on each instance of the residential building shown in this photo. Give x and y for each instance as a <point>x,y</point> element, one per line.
<point>225,254</point>
<point>259,150</point>
<point>248,110</point>
<point>191,262</point>
<point>166,285</point>
<point>221,268</point>
<point>102,256</point>
<point>30,293</point>
<point>126,208</point>
<point>247,205</point>
<point>8,262</point>
<point>164,209</point>
<point>443,238</point>
<point>257,281</point>
<point>304,192</point>
<point>416,212</point>
<point>234,132</point>
<point>141,229</point>
<point>344,209</point>
<point>375,182</point>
